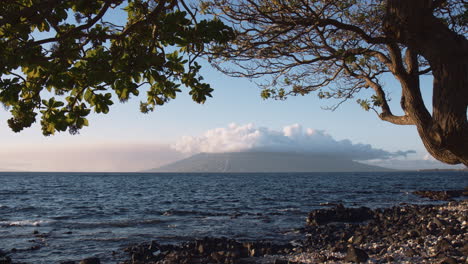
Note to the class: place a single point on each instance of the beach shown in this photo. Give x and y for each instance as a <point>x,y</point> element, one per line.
<point>403,234</point>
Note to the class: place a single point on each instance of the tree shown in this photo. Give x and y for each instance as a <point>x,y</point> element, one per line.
<point>339,48</point>
<point>60,59</point>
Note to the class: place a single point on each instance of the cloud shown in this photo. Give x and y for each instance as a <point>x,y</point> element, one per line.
<point>236,138</point>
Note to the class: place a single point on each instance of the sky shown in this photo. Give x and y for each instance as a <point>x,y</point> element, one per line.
<point>235,119</point>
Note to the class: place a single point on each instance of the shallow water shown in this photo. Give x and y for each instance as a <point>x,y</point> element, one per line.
<point>80,215</point>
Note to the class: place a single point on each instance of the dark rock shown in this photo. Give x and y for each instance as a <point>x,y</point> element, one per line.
<point>5,260</point>
<point>449,260</point>
<point>444,245</point>
<point>441,195</point>
<point>154,246</point>
<point>339,214</point>
<point>92,260</point>
<point>35,247</point>
<point>68,262</point>
<point>413,234</point>
<point>464,250</point>
<point>410,253</point>
<point>281,261</point>
<point>439,222</point>
<point>356,255</point>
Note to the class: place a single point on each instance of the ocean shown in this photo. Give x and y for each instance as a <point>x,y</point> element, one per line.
<point>56,217</point>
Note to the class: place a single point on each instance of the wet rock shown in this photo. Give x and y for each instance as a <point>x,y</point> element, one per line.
<point>5,260</point>
<point>339,214</point>
<point>35,247</point>
<point>92,260</point>
<point>207,250</point>
<point>68,262</point>
<point>281,261</point>
<point>154,246</point>
<point>441,195</point>
<point>355,255</point>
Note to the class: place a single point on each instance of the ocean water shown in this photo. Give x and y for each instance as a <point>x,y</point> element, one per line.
<point>78,215</point>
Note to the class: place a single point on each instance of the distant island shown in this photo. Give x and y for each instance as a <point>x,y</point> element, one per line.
<point>266,162</point>
<point>443,170</point>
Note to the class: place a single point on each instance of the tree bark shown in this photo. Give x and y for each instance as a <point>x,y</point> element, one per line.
<point>445,133</point>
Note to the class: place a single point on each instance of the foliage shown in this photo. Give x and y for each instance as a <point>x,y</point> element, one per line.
<point>65,58</point>
<point>337,48</point>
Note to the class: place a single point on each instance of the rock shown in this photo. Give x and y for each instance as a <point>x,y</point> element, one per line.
<point>68,262</point>
<point>441,195</point>
<point>5,260</point>
<point>464,250</point>
<point>410,253</point>
<point>413,234</point>
<point>154,246</point>
<point>35,247</point>
<point>92,260</point>
<point>449,260</point>
<point>356,239</point>
<point>355,255</point>
<point>281,261</point>
<point>444,245</point>
<point>439,222</point>
<point>339,214</point>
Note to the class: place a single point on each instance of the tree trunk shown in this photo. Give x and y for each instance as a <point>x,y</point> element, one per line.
<point>412,23</point>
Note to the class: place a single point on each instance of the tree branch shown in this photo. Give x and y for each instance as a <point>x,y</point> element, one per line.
<point>89,24</point>
<point>397,120</point>
<point>343,26</point>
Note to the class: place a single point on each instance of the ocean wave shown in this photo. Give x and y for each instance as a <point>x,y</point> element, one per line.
<point>14,192</point>
<point>115,223</point>
<point>173,212</point>
<point>24,223</point>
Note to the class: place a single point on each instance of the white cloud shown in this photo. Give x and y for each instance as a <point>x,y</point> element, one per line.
<point>235,138</point>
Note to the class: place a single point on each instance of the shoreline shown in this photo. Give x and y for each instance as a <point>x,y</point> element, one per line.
<point>434,233</point>
<point>401,234</point>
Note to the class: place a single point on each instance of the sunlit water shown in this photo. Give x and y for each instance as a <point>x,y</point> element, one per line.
<point>92,214</point>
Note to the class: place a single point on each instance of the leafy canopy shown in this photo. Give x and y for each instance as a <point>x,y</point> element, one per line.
<point>334,48</point>
<point>66,58</point>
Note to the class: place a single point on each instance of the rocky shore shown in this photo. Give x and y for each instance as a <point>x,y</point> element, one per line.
<point>401,234</point>
<point>404,234</point>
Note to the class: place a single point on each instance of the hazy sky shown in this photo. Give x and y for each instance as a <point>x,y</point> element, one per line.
<point>127,140</point>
